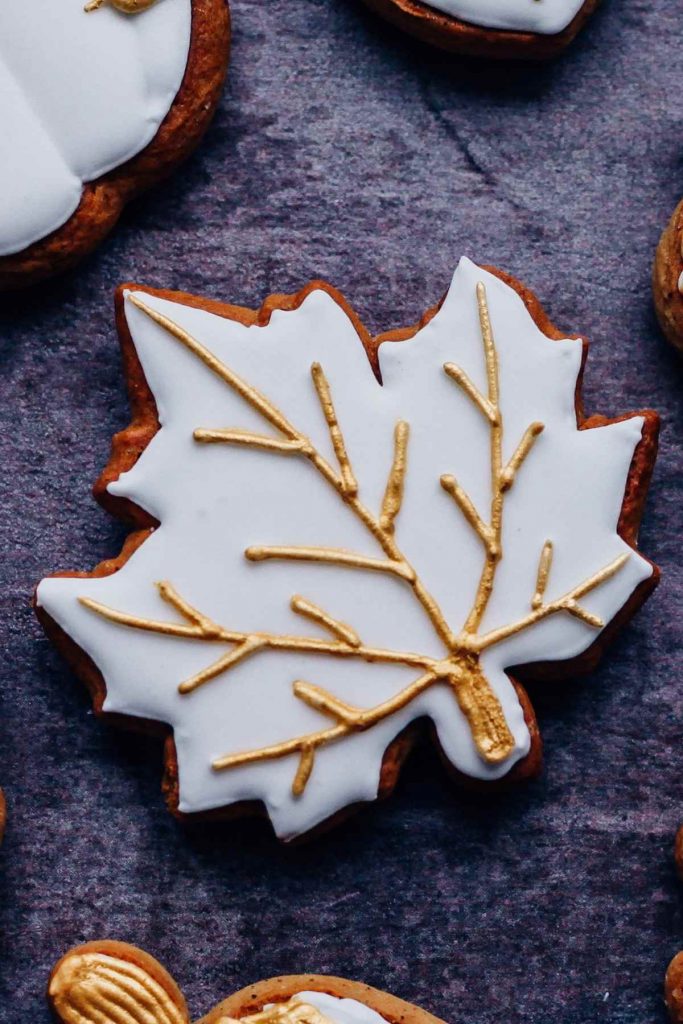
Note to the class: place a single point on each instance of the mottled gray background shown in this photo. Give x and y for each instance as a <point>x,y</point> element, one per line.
<point>343,150</point>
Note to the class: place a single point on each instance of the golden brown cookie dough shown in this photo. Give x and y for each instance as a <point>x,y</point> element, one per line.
<point>667,279</point>
<point>103,200</point>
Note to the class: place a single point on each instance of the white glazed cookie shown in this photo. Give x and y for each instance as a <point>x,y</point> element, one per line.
<point>113,981</point>
<point>82,93</point>
<point>491,28</point>
<point>546,17</point>
<point>337,559</point>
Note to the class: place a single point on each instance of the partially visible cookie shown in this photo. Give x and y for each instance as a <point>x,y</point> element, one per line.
<point>98,101</point>
<point>673,989</point>
<point>667,279</point>
<point>112,981</point>
<point>528,29</point>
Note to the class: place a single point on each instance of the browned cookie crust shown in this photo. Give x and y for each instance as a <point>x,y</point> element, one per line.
<point>113,980</point>
<point>102,201</point>
<point>128,445</point>
<point>449,33</point>
<point>673,989</point>
<point>666,273</point>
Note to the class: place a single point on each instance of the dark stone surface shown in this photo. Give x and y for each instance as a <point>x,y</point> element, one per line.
<point>345,151</point>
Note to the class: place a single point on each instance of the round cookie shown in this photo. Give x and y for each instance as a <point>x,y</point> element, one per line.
<point>99,104</point>
<point>525,29</point>
<point>673,989</point>
<point>113,980</point>
<point>323,564</point>
<point>667,279</point>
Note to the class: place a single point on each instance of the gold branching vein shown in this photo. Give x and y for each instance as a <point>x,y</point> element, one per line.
<point>348,480</point>
<point>567,603</point>
<point>544,564</point>
<point>502,478</point>
<point>311,611</point>
<point>459,668</point>
<point>461,378</point>
<point>393,495</point>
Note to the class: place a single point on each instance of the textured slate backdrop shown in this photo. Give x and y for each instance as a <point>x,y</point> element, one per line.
<point>343,150</point>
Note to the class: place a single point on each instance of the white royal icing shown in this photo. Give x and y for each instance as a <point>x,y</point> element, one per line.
<point>340,1011</point>
<point>214,501</point>
<point>79,95</point>
<point>546,17</point>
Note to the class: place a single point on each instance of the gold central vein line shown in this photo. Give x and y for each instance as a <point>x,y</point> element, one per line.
<point>502,478</point>
<point>493,552</point>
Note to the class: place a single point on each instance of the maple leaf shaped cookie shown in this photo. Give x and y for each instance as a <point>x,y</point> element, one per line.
<point>337,559</point>
<point>103,981</point>
<point>96,105</point>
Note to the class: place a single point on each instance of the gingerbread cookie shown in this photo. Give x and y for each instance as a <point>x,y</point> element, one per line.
<point>529,29</point>
<point>337,560</point>
<point>667,279</point>
<point>100,100</point>
<point>112,981</point>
